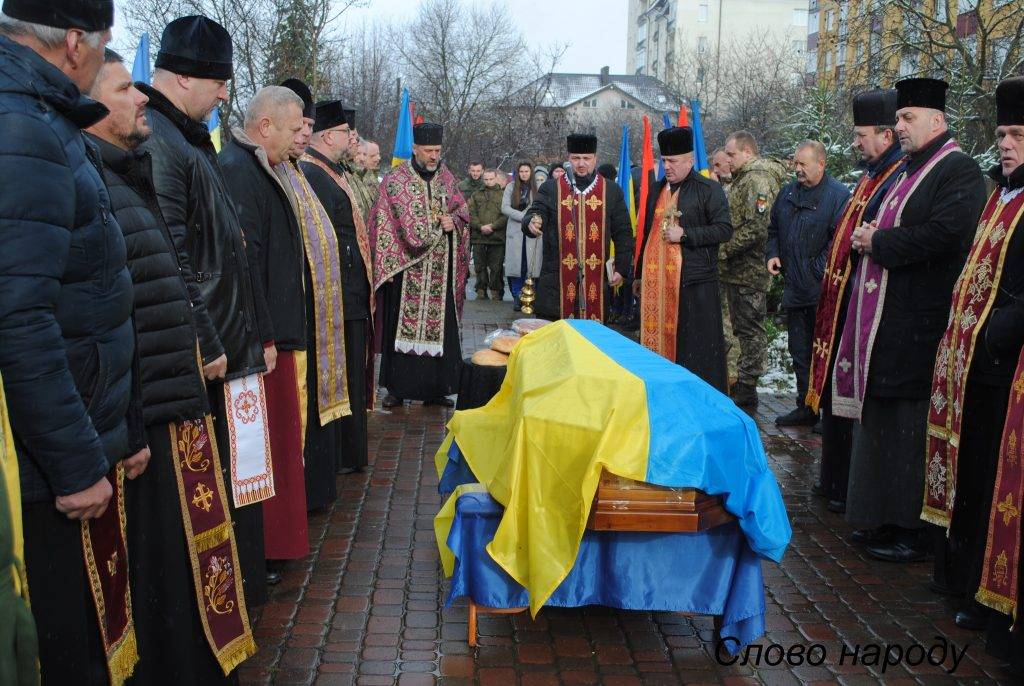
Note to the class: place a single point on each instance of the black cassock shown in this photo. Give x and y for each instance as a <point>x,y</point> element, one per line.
<point>704,216</point>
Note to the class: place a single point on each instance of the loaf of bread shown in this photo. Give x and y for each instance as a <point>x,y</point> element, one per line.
<point>504,344</point>
<point>489,358</point>
<point>525,326</point>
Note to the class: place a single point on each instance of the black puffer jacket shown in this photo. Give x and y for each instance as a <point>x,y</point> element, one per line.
<point>172,385</point>
<point>66,339</point>
<point>201,218</point>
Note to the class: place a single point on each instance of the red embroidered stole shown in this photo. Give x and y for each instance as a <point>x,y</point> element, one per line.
<point>581,249</point>
<point>106,564</point>
<point>837,276</point>
<point>663,269</point>
<point>973,295</point>
<point>216,574</point>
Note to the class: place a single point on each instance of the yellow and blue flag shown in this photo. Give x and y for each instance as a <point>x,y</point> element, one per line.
<point>213,126</point>
<point>140,68</point>
<point>579,398</point>
<point>403,134</point>
<point>700,152</point>
<point>625,178</point>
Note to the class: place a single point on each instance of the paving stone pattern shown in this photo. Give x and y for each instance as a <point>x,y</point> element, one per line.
<point>366,607</point>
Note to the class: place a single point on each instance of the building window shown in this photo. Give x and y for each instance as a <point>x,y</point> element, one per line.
<point>641,33</point>
<point>828,19</point>
<point>641,58</point>
<point>940,10</point>
<point>798,46</point>
<point>702,12</point>
<point>967,6</point>
<point>702,45</point>
<point>700,74</point>
<point>841,56</point>
<point>812,61</point>
<point>828,60</point>
<point>800,17</point>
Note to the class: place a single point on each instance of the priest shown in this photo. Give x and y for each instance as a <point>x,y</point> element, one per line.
<point>329,181</point>
<point>881,160</point>
<point>580,216</point>
<point>911,254</point>
<point>973,371</point>
<point>687,217</point>
<point>419,227</point>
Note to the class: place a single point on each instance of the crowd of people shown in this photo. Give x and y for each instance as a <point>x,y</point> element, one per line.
<point>188,337</point>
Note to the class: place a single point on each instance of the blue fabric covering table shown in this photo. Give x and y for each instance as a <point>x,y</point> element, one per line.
<point>713,572</point>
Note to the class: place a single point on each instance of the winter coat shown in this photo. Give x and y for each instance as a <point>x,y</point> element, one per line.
<point>273,242</point>
<point>66,339</point>
<point>751,196</point>
<point>803,221</point>
<point>704,216</point>
<point>468,186</point>
<point>172,384</point>
<point>485,208</point>
<point>515,236</point>
<point>924,256</point>
<point>201,218</point>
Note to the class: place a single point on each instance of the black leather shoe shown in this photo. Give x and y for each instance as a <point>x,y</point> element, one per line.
<point>836,506</point>
<point>973,619</point>
<point>880,535</point>
<point>273,577</point>
<point>900,551</point>
<point>391,401</point>
<point>801,416</point>
<point>443,401</point>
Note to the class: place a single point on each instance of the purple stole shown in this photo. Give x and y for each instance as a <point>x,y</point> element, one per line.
<point>850,378</point>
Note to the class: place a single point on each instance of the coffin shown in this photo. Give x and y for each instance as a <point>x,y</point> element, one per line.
<point>626,505</point>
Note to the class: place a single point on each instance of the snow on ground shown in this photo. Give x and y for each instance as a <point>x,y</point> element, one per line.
<point>778,377</point>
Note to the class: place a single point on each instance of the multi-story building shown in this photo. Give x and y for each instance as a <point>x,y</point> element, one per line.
<point>856,43</point>
<point>663,34</point>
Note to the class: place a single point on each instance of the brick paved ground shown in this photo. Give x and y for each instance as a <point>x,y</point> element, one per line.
<point>366,606</point>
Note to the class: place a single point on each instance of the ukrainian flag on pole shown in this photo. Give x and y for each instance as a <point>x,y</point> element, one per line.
<point>403,134</point>
<point>625,178</point>
<point>214,127</point>
<point>700,153</point>
<point>140,68</point>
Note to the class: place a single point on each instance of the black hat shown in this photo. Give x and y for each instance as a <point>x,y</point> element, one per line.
<point>875,107</point>
<point>329,114</point>
<point>302,90</point>
<point>350,118</point>
<point>427,134</point>
<point>1010,102</point>
<point>676,140</point>
<point>88,15</point>
<point>196,46</point>
<point>929,93</point>
<point>581,144</point>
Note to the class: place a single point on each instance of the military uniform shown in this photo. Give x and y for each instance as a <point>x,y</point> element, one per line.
<point>742,268</point>
<point>488,250</point>
<point>364,196</point>
<point>469,186</point>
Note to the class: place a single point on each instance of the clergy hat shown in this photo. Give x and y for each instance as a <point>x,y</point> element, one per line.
<point>196,46</point>
<point>675,140</point>
<point>875,107</point>
<point>87,15</point>
<point>427,134</point>
<point>302,90</point>
<point>581,144</point>
<point>1010,102</point>
<point>350,118</point>
<point>930,93</point>
<point>329,114</point>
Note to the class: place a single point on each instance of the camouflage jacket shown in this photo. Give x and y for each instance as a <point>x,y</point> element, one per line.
<point>365,197</point>
<point>485,208</point>
<point>751,196</point>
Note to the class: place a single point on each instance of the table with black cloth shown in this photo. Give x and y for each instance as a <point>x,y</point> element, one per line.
<point>478,383</point>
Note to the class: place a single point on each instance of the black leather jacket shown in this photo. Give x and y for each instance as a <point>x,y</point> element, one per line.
<point>201,218</point>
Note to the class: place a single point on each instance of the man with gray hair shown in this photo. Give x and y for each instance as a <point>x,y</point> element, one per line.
<point>66,340</point>
<point>803,219</point>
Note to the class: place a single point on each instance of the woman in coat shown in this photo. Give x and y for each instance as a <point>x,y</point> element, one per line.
<point>522,252</point>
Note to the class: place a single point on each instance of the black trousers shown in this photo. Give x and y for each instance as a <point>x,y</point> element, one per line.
<point>70,646</point>
<point>836,446</point>
<point>354,446</point>
<point>800,327</point>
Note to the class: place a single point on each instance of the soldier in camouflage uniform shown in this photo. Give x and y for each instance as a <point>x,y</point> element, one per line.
<point>755,183</point>
<point>353,171</point>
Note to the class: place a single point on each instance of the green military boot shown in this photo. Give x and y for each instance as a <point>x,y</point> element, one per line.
<point>744,395</point>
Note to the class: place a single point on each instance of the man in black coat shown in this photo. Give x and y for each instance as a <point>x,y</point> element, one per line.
<point>701,223</point>
<point>66,339</point>
<point>923,256</point>
<point>802,224</point>
<point>168,625</point>
<point>568,295</point>
<point>190,80</point>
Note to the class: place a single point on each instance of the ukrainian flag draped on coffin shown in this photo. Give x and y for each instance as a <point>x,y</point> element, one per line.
<point>588,398</point>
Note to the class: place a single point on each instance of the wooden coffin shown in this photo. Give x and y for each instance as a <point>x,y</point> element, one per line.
<point>625,505</point>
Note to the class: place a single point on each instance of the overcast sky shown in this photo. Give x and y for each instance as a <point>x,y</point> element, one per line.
<point>595,30</point>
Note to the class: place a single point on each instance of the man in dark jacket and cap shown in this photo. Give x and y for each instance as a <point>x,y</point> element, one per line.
<point>190,80</point>
<point>911,256</point>
<point>167,577</point>
<point>687,218</point>
<point>66,339</point>
<point>576,275</point>
<point>803,220</point>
